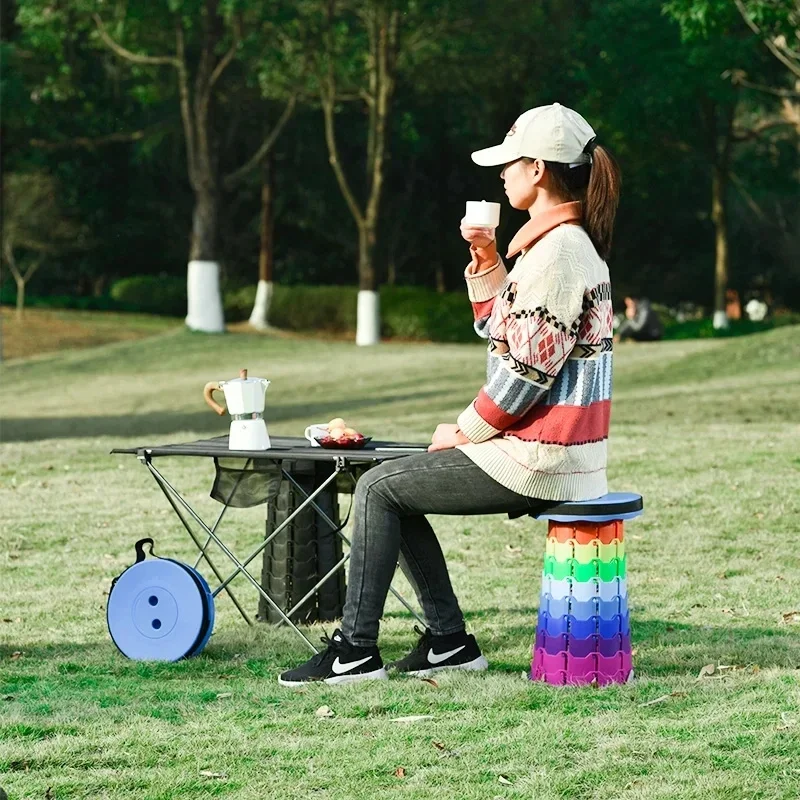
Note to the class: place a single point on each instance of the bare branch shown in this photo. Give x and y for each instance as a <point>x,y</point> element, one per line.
<point>327,92</point>
<point>758,130</point>
<point>771,46</point>
<point>229,56</point>
<point>234,177</point>
<point>186,106</point>
<point>8,252</point>
<point>333,157</point>
<point>741,80</point>
<point>127,54</point>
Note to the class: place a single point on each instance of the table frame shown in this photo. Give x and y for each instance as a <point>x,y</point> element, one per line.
<point>342,462</point>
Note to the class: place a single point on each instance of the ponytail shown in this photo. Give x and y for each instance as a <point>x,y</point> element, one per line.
<point>602,199</point>
<point>597,186</point>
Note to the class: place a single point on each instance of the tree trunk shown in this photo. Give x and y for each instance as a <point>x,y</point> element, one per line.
<point>721,255</point>
<point>203,293</point>
<point>368,313</point>
<point>259,318</point>
<point>20,298</point>
<point>441,285</point>
<point>719,216</point>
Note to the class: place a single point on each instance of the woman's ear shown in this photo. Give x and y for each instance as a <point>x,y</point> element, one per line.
<point>536,170</point>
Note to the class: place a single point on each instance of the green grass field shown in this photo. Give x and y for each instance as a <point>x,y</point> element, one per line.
<point>707,431</point>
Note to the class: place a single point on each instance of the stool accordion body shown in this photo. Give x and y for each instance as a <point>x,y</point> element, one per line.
<point>159,609</point>
<point>583,630</point>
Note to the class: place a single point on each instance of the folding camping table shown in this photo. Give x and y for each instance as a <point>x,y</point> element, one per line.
<point>284,448</point>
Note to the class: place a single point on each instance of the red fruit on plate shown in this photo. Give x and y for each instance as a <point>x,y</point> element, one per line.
<point>358,438</point>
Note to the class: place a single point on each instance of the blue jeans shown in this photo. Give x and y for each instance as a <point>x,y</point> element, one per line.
<point>389,508</point>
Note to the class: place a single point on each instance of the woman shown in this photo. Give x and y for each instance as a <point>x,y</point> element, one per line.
<point>536,433</point>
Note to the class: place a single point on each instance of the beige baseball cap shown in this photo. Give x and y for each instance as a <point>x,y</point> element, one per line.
<point>552,133</point>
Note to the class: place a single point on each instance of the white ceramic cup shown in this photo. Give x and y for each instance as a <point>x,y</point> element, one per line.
<point>314,432</point>
<point>482,214</point>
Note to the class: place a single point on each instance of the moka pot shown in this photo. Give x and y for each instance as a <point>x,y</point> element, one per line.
<point>245,400</point>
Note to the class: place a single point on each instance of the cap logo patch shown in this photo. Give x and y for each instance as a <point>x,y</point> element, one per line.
<point>512,130</point>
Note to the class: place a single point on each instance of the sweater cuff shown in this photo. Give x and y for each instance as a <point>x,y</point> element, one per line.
<point>486,284</point>
<point>474,426</point>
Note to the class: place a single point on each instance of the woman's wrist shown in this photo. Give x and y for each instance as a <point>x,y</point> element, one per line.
<point>482,258</point>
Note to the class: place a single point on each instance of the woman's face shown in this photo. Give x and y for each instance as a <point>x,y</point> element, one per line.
<point>520,179</point>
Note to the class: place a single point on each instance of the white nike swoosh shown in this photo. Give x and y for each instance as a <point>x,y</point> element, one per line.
<point>437,658</point>
<point>340,668</point>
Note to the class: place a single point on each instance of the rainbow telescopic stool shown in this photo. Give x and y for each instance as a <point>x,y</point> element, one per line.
<point>583,632</point>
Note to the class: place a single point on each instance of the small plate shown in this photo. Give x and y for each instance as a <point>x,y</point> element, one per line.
<point>343,444</point>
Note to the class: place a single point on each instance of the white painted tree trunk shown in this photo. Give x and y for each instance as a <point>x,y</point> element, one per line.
<point>260,316</point>
<point>368,320</point>
<point>720,320</point>
<point>204,301</point>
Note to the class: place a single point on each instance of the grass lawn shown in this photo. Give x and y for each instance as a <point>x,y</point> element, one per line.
<point>707,431</point>
<point>46,330</point>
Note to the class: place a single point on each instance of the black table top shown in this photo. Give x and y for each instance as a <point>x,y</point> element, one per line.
<point>283,448</point>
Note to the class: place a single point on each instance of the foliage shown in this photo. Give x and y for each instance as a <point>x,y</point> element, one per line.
<point>162,294</point>
<point>406,312</point>
<point>111,133</point>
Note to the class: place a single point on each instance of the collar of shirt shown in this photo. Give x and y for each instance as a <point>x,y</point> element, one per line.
<point>542,223</point>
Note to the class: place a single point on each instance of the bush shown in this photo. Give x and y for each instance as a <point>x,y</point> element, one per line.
<point>151,294</point>
<point>407,312</point>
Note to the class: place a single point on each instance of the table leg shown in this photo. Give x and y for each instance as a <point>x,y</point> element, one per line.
<point>338,530</point>
<point>191,533</point>
<point>165,484</point>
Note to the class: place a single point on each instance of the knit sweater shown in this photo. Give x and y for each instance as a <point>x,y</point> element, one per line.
<point>539,426</point>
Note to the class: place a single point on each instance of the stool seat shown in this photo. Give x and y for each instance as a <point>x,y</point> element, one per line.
<point>612,506</point>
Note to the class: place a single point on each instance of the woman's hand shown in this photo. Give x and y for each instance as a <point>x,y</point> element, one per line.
<point>446,437</point>
<point>476,235</point>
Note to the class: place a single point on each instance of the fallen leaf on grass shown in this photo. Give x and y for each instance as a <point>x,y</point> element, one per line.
<point>400,772</point>
<point>444,750</point>
<point>511,549</point>
<point>788,721</point>
<point>505,781</point>
<point>224,695</point>
<point>431,681</point>
<point>706,671</point>
<point>207,773</point>
<point>323,711</point>
<point>416,718</point>
<point>662,699</point>
<point>791,616</point>
<point>17,655</point>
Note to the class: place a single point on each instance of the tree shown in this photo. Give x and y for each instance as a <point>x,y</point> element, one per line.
<point>367,70</point>
<point>716,43</point>
<point>197,80</point>
<point>34,223</point>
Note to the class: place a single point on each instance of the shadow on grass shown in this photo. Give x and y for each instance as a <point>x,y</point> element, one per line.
<point>662,648</point>
<point>165,422</point>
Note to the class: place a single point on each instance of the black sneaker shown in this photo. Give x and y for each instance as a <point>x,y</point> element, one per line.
<point>436,653</point>
<point>340,662</point>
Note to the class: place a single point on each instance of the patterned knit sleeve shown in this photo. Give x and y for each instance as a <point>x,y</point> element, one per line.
<point>541,324</point>
<point>483,287</point>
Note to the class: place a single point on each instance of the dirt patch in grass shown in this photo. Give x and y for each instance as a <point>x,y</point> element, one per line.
<point>47,331</point>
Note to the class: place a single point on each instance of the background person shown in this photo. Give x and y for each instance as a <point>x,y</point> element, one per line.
<point>641,323</point>
<point>537,431</point>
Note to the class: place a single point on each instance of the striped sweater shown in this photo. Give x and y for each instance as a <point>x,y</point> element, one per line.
<point>539,426</point>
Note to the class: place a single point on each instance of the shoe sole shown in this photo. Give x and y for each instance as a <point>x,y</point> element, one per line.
<point>375,675</point>
<point>476,665</point>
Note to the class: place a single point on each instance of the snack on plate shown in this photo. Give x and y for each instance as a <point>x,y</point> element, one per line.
<point>340,435</point>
